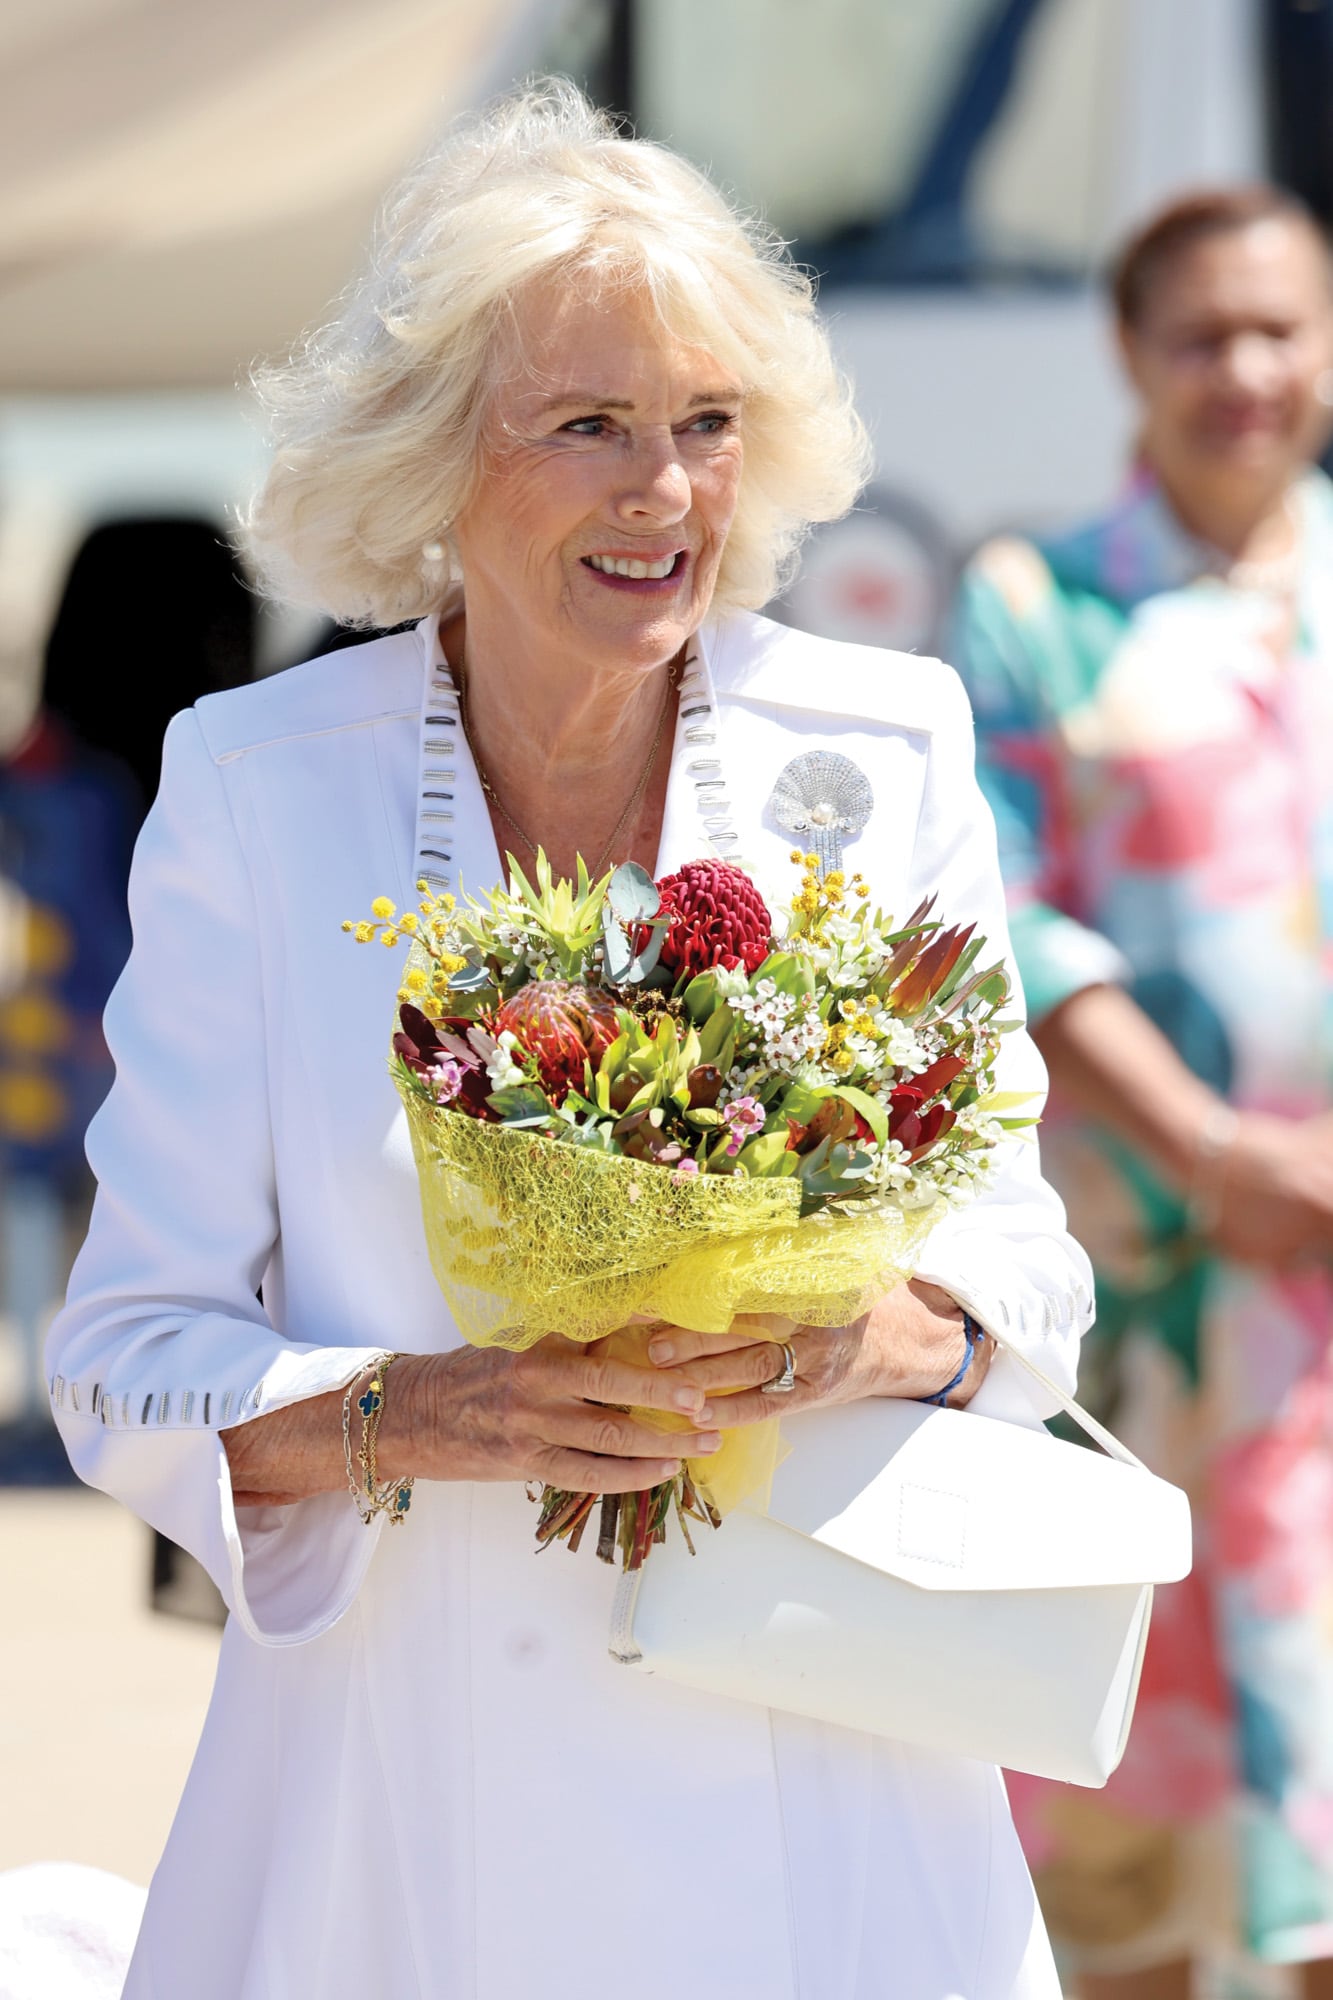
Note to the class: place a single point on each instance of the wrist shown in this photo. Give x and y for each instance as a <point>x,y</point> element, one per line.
<point>959,1384</point>
<point>1214,1140</point>
<point>404,1429</point>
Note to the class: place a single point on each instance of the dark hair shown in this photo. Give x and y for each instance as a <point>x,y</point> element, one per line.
<point>1167,235</point>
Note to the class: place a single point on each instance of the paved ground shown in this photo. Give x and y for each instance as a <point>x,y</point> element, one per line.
<point>101,1701</point>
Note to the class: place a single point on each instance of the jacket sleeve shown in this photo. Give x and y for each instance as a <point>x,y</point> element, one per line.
<point>1015,691</point>
<point>163,1341</point>
<point>1006,1255</point>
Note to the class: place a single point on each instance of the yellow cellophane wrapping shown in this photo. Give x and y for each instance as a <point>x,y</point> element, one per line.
<point>529,1236</point>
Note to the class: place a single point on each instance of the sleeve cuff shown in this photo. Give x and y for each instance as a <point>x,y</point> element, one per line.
<point>1057,957</point>
<point>287,1574</point>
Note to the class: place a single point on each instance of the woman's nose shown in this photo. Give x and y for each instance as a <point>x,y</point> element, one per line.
<point>656,482</point>
<point>1251,361</point>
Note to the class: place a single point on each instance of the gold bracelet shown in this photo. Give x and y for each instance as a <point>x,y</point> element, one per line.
<point>394,1496</point>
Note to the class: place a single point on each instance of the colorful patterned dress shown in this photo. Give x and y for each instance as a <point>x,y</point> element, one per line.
<point>1157,745</point>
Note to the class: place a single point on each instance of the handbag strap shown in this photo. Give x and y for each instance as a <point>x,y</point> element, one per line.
<point>1097,1433</point>
<point>1110,1444</point>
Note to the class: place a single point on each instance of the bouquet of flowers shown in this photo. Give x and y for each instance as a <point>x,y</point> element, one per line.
<point>650,1101</point>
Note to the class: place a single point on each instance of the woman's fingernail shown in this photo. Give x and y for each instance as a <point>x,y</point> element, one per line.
<point>706,1414</point>
<point>661,1351</point>
<point>686,1399</point>
<point>709,1441</point>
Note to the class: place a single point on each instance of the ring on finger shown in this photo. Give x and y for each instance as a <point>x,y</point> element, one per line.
<point>784,1381</point>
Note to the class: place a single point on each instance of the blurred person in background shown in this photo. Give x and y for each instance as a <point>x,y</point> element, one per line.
<point>1154,705</point>
<point>73,793</point>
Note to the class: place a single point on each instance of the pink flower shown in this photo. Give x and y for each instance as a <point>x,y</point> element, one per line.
<point>445,1077</point>
<point>744,1117</point>
<point>686,1171</point>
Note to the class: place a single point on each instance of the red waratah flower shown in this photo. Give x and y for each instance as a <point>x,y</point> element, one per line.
<point>717,917</point>
<point>562,1025</point>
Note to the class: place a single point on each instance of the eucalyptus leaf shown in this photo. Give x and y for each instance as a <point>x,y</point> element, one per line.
<point>618,947</point>
<point>632,894</point>
<point>472,976</point>
<point>520,1101</point>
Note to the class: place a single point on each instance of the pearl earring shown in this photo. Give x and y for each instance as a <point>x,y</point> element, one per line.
<point>433,551</point>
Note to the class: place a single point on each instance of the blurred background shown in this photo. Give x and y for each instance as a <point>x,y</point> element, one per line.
<point>183,188</point>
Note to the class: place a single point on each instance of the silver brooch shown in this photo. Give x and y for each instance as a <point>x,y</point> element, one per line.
<point>824,798</point>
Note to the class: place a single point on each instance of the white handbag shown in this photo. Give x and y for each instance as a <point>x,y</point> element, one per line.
<point>940,1578</point>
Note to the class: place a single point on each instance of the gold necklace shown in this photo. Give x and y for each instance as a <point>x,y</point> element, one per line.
<point>635,796</point>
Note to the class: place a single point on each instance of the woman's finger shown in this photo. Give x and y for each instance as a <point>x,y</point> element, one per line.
<point>599,1377</point>
<point>611,1433</point>
<point>745,1367</point>
<point>582,1472</point>
<point>674,1346</point>
<point>670,1346</point>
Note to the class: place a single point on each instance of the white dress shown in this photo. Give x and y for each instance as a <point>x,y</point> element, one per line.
<point>422,1777</point>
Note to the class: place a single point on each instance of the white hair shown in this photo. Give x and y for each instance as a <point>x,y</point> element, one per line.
<point>377,418</point>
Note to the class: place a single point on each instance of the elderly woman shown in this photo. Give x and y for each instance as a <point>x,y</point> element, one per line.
<point>1155,731</point>
<point>574,425</point>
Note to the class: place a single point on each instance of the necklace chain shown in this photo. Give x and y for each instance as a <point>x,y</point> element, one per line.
<point>635,796</point>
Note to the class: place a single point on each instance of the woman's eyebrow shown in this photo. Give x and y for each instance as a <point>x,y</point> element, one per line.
<point>590,400</point>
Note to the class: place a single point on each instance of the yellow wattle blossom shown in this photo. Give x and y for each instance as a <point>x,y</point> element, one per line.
<point>390,938</point>
<point>796,855</point>
<point>407,922</point>
<point>365,932</point>
<point>382,908</point>
<point>452,962</point>
<point>811,861</point>
<point>415,980</point>
<point>835,880</point>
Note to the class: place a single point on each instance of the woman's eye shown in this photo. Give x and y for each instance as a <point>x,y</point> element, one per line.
<point>586,426</point>
<point>713,421</point>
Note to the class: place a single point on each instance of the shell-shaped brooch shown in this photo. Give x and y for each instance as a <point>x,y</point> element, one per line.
<point>825,799</point>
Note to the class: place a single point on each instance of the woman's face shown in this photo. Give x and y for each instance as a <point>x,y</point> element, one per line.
<point>1229,352</point>
<point>611,459</point>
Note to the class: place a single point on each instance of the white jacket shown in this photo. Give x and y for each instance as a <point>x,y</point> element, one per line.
<point>253,1143</point>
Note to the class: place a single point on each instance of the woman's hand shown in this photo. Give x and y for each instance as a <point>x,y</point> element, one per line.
<point>548,1414</point>
<point>909,1345</point>
<point>1273,1191</point>
<point>483,1413</point>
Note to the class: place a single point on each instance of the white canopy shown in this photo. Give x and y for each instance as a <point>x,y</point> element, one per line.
<point>184,185</point>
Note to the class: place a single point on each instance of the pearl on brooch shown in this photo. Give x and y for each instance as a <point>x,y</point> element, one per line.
<point>823,798</point>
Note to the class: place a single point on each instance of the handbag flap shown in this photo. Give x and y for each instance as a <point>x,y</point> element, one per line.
<point>951,1501</point>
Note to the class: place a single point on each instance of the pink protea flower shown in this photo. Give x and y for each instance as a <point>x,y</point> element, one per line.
<point>717,917</point>
<point>562,1025</point>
